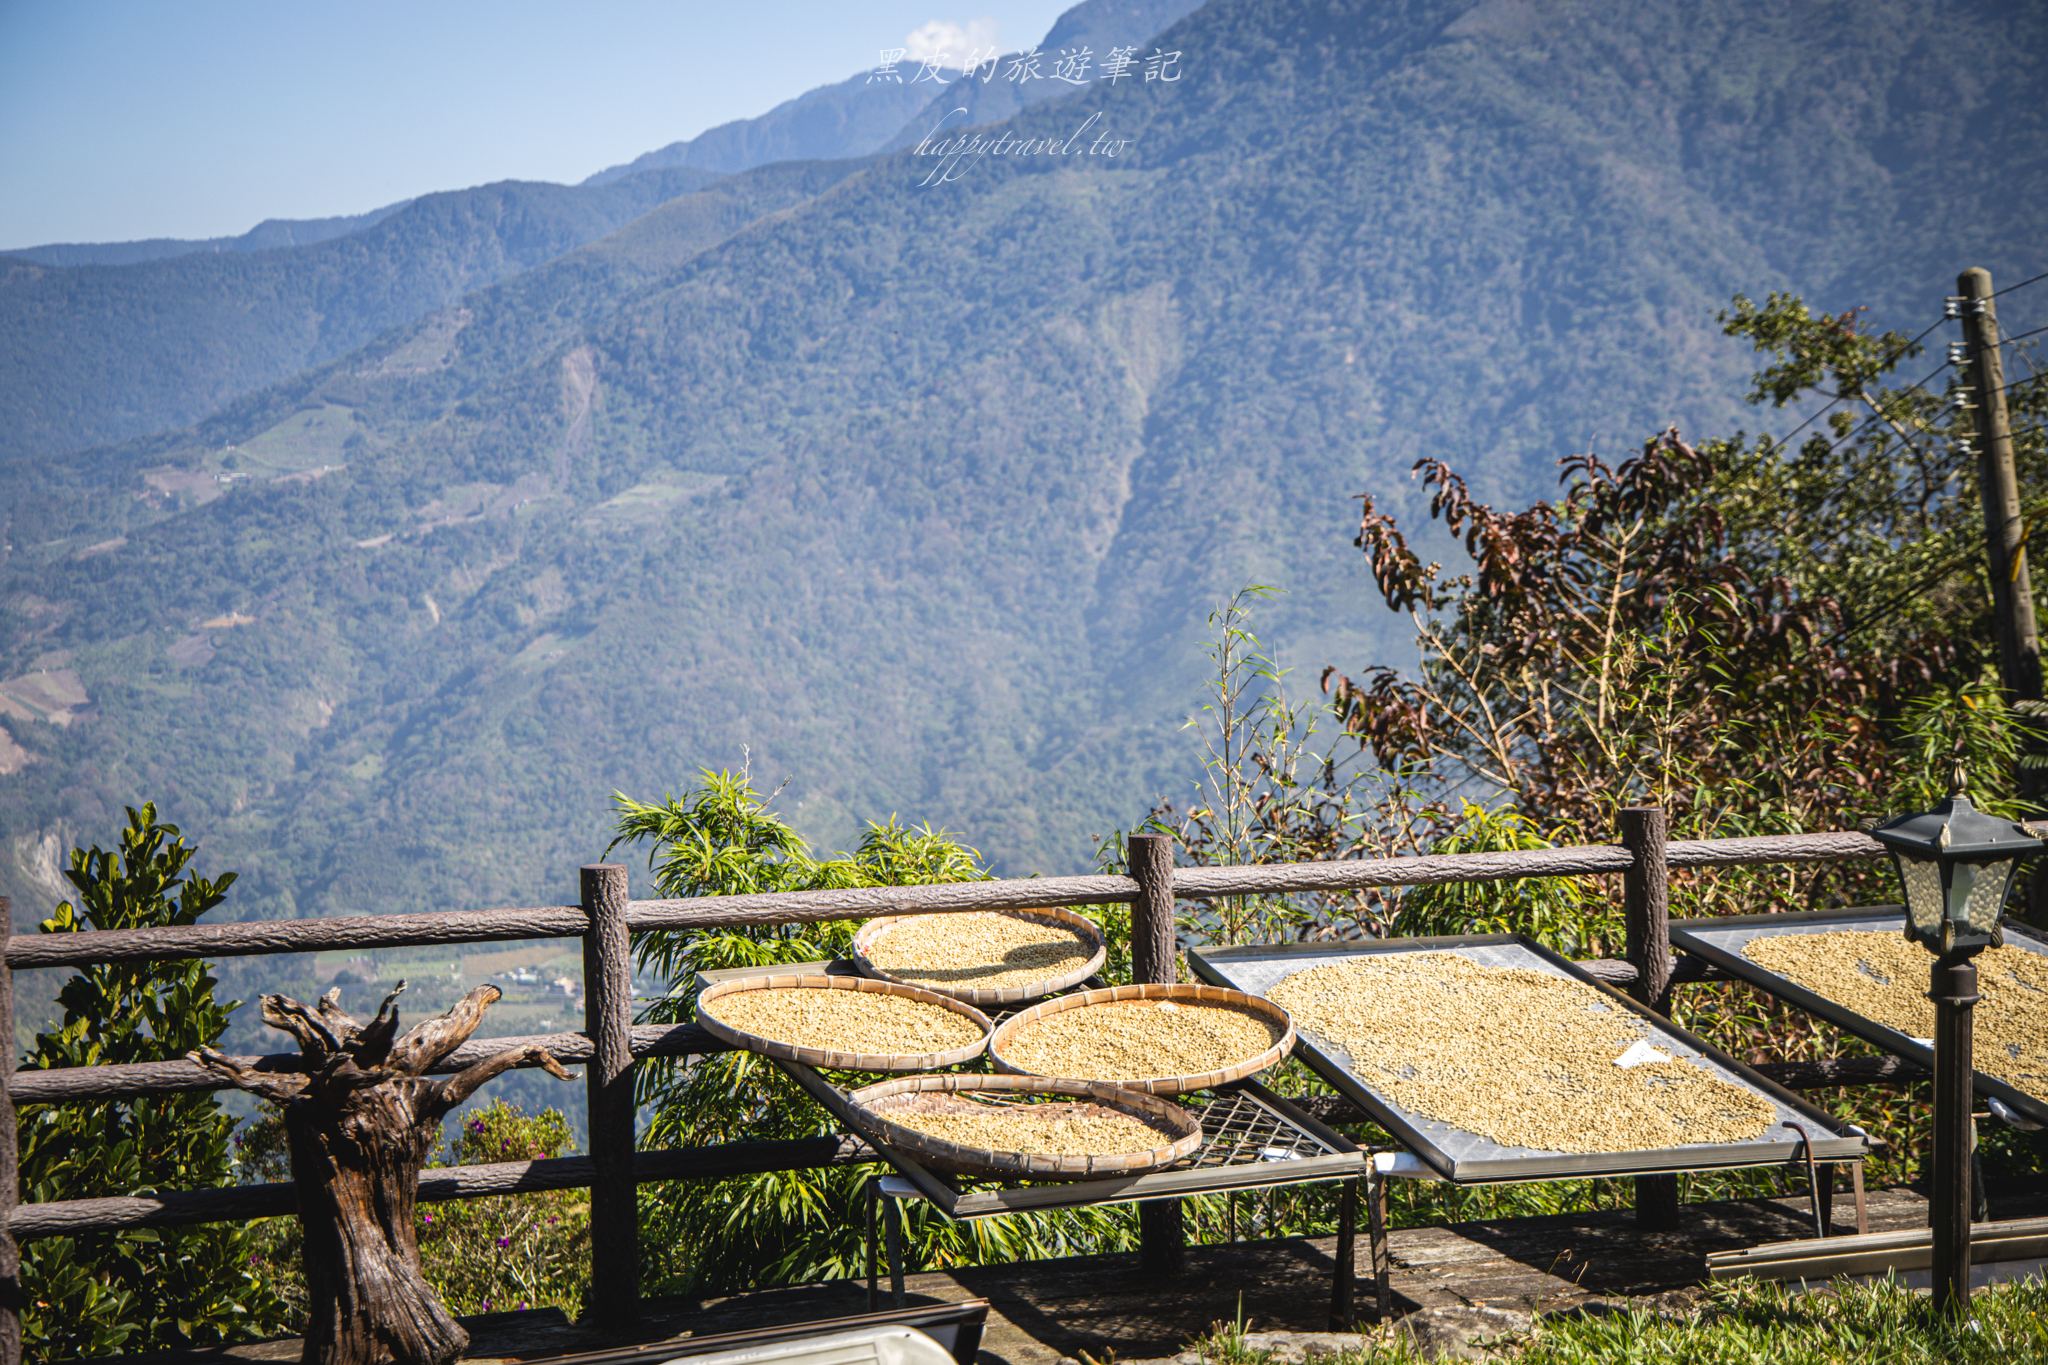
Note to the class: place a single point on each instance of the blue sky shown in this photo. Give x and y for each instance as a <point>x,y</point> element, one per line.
<point>148,118</point>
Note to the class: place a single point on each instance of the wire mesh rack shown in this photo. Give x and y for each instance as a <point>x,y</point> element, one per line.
<point>1251,1139</point>
<point>1238,1128</point>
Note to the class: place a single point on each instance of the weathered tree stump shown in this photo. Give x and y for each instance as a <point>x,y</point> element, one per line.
<point>360,1118</point>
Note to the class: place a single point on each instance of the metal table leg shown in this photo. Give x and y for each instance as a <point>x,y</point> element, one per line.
<point>1343,1285</point>
<point>873,1197</point>
<point>893,1227</point>
<point>1376,1241</point>
<point>1813,1180</point>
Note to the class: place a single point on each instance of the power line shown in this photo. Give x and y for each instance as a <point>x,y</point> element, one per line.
<point>2007,341</point>
<point>2032,279</point>
<point>1886,608</point>
<point>2015,384</point>
<point>1886,364</point>
<point>2029,514</point>
<point>1842,533</point>
<point>1880,416</point>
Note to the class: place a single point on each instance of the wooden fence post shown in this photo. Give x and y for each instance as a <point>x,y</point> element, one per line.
<point>614,1299</point>
<point>1646,912</point>
<point>1155,949</point>
<point>10,1163</point>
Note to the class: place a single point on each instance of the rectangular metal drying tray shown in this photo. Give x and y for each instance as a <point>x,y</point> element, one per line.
<point>1467,1158</point>
<point>1721,941</point>
<point>1251,1139</point>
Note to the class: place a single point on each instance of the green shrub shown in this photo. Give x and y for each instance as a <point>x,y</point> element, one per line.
<point>514,1252</point>
<point>145,1288</point>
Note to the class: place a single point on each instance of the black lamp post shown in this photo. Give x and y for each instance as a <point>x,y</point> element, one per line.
<point>1957,864</point>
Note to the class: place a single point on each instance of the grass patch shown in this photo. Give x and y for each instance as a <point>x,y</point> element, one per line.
<point>1866,1323</point>
<point>308,439</point>
<point>1744,1322</point>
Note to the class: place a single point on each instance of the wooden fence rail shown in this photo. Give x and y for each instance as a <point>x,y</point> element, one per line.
<point>610,1043</point>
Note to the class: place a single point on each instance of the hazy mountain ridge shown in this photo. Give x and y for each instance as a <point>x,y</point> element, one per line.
<point>95,354</point>
<point>267,235</point>
<point>849,119</point>
<point>104,342</point>
<point>922,493</point>
<point>1088,31</point>
<point>868,113</point>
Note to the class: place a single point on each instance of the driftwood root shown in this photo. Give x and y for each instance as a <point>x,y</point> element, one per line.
<point>360,1117</point>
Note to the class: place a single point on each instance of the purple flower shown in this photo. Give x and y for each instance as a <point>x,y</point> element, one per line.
<point>428,1217</point>
<point>504,1242</point>
<point>476,1125</point>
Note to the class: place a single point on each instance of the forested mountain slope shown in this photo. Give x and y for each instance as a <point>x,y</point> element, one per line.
<point>93,354</point>
<point>918,493</point>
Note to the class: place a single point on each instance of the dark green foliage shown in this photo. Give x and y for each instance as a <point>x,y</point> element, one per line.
<point>507,1253</point>
<point>1744,1321</point>
<point>143,1289</point>
<point>516,1253</point>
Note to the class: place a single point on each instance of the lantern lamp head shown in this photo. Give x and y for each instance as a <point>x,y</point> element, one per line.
<point>1957,865</point>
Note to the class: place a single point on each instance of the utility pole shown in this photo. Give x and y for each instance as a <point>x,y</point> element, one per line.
<point>2005,531</point>
<point>2012,593</point>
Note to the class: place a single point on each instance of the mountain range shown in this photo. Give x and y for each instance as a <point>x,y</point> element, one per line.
<point>916,490</point>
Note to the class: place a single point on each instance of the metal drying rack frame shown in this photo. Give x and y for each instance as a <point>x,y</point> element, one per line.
<point>1252,1139</point>
<point>1821,1143</point>
<point>1699,937</point>
<point>1259,1141</point>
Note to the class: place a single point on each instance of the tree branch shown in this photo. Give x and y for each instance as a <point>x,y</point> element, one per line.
<point>278,1086</point>
<point>373,1044</point>
<point>316,1036</point>
<point>464,1083</point>
<point>431,1040</point>
<point>338,1020</point>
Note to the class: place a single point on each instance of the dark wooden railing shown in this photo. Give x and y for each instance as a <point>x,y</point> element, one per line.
<point>610,1043</point>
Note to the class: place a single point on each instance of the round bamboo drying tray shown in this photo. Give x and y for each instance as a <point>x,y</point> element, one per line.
<point>995,995</point>
<point>876,1103</point>
<point>1191,992</point>
<point>834,1058</point>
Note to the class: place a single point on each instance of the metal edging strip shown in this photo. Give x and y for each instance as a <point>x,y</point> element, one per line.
<point>1688,934</point>
<point>1347,1161</point>
<point>1706,1156</point>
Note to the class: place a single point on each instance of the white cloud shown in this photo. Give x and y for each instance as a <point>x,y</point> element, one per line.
<point>950,43</point>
